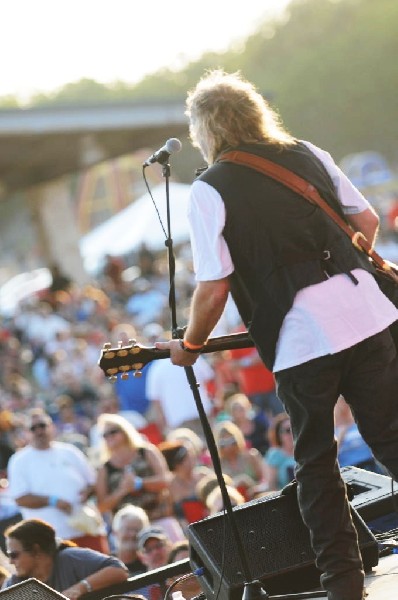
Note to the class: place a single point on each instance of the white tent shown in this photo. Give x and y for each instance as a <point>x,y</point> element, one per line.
<point>139,223</point>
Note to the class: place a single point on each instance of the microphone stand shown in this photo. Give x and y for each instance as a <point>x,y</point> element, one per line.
<point>252,588</point>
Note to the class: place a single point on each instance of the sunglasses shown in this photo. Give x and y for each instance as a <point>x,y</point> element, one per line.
<point>286,430</point>
<point>13,554</point>
<point>179,456</point>
<point>157,546</point>
<point>110,432</point>
<point>227,442</point>
<point>38,426</point>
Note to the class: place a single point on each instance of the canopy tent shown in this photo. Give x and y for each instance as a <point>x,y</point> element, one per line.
<point>137,224</point>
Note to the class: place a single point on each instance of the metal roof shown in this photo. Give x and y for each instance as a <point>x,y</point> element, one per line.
<point>40,144</point>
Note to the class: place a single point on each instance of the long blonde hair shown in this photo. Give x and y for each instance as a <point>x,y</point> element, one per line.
<point>226,110</point>
<point>133,438</point>
<point>228,428</point>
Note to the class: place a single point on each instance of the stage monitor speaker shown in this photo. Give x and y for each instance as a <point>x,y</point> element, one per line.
<point>373,497</point>
<point>276,543</point>
<point>31,589</point>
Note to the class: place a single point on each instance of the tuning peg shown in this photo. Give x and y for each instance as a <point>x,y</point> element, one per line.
<point>112,378</point>
<point>107,345</point>
<point>120,344</point>
<point>132,341</point>
<point>137,374</point>
<point>124,376</point>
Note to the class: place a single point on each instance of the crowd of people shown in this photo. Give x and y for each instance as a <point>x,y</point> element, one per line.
<point>120,469</point>
<point>96,464</point>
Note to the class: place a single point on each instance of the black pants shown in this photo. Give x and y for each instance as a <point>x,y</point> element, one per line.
<point>367,376</point>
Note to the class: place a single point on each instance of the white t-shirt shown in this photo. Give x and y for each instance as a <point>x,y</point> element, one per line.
<point>62,470</point>
<point>325,318</point>
<point>168,384</point>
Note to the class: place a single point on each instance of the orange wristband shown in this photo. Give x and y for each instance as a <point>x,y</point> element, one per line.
<point>192,346</point>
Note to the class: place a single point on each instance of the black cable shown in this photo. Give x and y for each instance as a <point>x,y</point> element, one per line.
<point>153,201</point>
<point>169,245</point>
<point>195,573</point>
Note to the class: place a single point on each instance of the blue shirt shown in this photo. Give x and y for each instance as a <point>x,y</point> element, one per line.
<point>131,392</point>
<point>283,463</point>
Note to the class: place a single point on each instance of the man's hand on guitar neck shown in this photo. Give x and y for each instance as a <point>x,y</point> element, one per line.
<point>208,303</point>
<point>178,355</point>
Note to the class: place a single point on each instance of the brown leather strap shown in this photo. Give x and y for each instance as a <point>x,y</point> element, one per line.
<point>305,189</point>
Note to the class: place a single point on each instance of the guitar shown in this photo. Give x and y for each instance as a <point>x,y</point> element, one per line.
<point>133,358</point>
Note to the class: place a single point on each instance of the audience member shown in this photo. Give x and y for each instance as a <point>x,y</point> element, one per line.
<point>34,551</point>
<point>255,380</point>
<point>352,448</point>
<point>134,471</point>
<point>253,424</point>
<point>7,448</point>
<point>171,396</point>
<point>82,391</point>
<point>190,587</point>
<point>191,439</point>
<point>126,526</point>
<point>179,551</point>
<point>244,465</point>
<point>182,463</point>
<point>50,479</point>
<point>60,281</point>
<point>9,511</point>
<point>67,420</point>
<point>154,547</point>
<point>39,325</point>
<point>146,261</point>
<point>279,458</point>
<point>146,303</point>
<point>215,501</point>
<point>113,271</point>
<point>208,484</point>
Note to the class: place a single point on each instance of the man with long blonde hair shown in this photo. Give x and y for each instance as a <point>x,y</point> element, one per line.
<point>314,309</point>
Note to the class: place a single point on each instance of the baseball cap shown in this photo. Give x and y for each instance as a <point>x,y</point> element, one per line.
<point>148,533</point>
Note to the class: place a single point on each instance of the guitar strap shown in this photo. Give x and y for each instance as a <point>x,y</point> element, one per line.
<point>311,194</point>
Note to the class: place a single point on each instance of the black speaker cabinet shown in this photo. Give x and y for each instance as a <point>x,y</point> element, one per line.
<point>373,498</point>
<point>31,589</point>
<point>276,543</point>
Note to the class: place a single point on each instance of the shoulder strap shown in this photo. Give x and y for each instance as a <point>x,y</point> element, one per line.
<point>308,191</point>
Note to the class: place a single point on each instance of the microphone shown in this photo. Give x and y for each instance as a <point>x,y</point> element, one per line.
<point>161,156</point>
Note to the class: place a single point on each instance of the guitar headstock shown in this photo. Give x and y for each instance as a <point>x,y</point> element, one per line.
<point>131,358</point>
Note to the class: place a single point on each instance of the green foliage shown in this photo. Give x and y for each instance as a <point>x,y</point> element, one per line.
<point>332,72</point>
<point>84,91</point>
<point>8,102</point>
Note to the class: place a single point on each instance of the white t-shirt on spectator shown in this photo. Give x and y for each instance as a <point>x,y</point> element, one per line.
<point>168,384</point>
<point>62,470</point>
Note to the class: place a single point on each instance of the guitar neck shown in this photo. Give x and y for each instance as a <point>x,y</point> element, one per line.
<point>133,358</point>
<point>233,341</point>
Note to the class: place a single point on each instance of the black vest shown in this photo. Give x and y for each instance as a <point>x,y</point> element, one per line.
<point>279,242</point>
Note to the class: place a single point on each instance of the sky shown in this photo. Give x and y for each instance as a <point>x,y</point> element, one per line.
<point>45,44</point>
